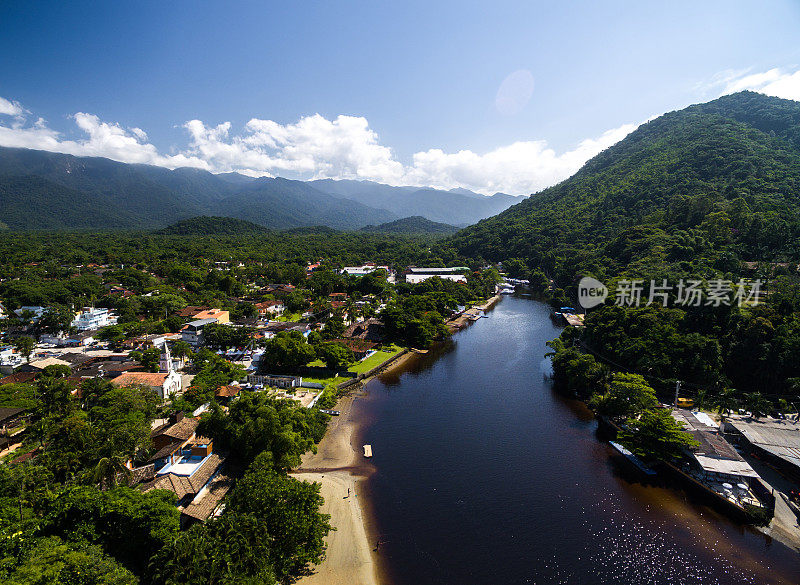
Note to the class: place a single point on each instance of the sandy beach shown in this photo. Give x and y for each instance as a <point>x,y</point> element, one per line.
<point>339,465</point>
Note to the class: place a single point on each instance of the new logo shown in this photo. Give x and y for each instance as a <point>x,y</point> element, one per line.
<point>591,292</point>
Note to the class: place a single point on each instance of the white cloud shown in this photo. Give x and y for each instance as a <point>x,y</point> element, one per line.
<point>315,147</point>
<point>774,82</point>
<point>9,108</point>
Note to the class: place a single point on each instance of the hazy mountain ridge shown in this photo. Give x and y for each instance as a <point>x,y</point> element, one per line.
<point>458,207</point>
<point>44,190</point>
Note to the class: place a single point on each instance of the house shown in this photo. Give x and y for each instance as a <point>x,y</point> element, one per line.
<point>20,378</point>
<point>91,319</point>
<point>715,460</point>
<point>193,332</point>
<point>190,311</point>
<point>776,440</point>
<point>218,314</point>
<point>367,268</point>
<point>39,365</point>
<point>416,275</point>
<point>360,348</point>
<point>162,383</point>
<point>369,330</point>
<point>10,418</point>
<point>78,339</point>
<point>267,308</point>
<point>36,312</point>
<point>225,394</point>
<point>275,381</point>
<point>187,466</point>
<point>170,437</point>
<point>278,289</point>
<point>9,359</point>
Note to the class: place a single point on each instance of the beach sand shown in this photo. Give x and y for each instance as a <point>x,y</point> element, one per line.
<point>337,466</point>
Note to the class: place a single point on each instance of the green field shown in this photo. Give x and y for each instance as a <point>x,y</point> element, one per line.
<point>375,359</point>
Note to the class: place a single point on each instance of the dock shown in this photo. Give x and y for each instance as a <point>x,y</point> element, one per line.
<point>367,450</point>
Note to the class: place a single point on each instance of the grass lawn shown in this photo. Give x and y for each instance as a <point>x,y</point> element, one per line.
<point>375,359</point>
<point>293,317</point>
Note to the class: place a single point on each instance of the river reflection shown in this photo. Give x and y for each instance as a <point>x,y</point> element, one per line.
<point>484,475</point>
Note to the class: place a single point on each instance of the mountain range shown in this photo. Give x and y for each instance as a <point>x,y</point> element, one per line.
<point>44,190</point>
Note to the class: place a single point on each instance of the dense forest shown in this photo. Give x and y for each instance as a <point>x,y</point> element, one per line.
<point>709,192</point>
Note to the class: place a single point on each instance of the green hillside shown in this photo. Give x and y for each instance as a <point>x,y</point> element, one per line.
<point>711,184</point>
<point>212,226</point>
<point>412,225</point>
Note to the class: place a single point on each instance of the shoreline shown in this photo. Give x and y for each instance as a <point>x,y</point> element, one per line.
<point>339,465</point>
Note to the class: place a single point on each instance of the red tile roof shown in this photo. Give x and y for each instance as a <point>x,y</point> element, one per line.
<point>144,378</point>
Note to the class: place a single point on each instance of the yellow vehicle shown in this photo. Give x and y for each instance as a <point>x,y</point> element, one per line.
<point>685,403</point>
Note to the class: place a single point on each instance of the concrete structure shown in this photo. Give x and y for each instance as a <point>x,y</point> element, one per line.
<point>367,268</point>
<point>457,274</point>
<point>275,381</point>
<point>193,332</point>
<point>773,439</point>
<point>267,308</point>
<point>218,314</point>
<point>91,318</point>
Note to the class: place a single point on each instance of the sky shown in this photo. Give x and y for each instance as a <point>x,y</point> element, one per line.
<point>508,96</point>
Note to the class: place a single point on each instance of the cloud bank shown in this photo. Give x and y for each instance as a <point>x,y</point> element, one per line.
<point>774,82</point>
<point>312,148</point>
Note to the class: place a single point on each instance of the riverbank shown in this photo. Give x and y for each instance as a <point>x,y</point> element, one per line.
<point>341,469</point>
<point>459,322</point>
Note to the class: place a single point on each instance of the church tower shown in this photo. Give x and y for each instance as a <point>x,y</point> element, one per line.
<point>165,361</point>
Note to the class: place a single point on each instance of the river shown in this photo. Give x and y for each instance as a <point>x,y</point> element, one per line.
<point>485,475</point>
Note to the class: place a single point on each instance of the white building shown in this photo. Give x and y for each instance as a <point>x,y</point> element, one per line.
<point>193,332</point>
<point>456,274</point>
<point>35,310</point>
<point>90,319</point>
<point>363,270</point>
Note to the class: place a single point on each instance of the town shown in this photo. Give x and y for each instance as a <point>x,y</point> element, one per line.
<point>300,342</point>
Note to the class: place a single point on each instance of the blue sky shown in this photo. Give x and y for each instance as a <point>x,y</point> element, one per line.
<point>423,76</point>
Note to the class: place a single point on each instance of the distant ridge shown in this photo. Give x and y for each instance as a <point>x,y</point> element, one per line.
<point>412,225</point>
<point>42,190</point>
<point>459,206</point>
<point>205,225</point>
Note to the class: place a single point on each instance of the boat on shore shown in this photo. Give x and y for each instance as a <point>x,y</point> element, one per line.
<point>633,459</point>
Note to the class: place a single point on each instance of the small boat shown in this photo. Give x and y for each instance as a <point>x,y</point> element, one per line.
<point>330,412</point>
<point>632,458</point>
<point>367,450</point>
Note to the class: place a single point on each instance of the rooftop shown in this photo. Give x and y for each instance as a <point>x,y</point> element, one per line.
<point>143,378</point>
<point>777,436</point>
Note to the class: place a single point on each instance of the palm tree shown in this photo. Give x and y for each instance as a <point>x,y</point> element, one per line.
<point>757,404</point>
<point>108,470</point>
<point>726,402</point>
<point>701,401</point>
<point>181,350</point>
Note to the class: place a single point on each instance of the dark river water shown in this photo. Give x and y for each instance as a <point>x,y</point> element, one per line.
<point>485,476</point>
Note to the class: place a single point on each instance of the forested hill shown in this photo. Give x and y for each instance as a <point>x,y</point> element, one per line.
<point>212,226</point>
<point>412,225</point>
<point>712,184</point>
